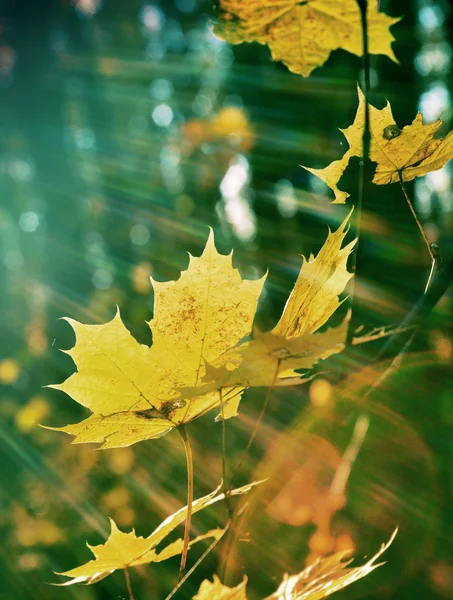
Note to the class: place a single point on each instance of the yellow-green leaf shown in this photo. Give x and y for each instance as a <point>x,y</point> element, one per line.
<point>321,280</point>
<point>303,34</point>
<point>118,430</point>
<point>412,151</point>
<point>132,388</point>
<point>215,590</point>
<point>123,550</point>
<point>272,358</point>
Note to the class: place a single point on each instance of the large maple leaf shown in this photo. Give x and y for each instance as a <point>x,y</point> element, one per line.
<point>132,388</point>
<point>272,358</point>
<point>409,152</point>
<point>124,550</point>
<point>303,34</point>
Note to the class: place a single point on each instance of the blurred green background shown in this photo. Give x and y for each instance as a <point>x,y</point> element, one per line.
<point>126,129</point>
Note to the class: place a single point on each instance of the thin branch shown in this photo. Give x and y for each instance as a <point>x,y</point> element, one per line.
<point>340,480</point>
<point>128,583</point>
<point>259,420</point>
<point>189,460</point>
<point>377,334</point>
<point>234,521</point>
<point>439,282</point>
<point>414,214</point>
<point>226,486</point>
<point>411,319</point>
<point>197,564</point>
<point>229,540</point>
<point>436,262</point>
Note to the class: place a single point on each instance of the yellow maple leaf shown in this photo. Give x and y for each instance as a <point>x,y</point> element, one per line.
<point>314,298</point>
<point>303,34</point>
<point>215,590</point>
<point>124,550</point>
<point>272,358</point>
<point>412,151</point>
<point>293,343</point>
<point>132,388</point>
<point>326,576</point>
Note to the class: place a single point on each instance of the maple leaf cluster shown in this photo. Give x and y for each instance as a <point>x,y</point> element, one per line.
<point>197,361</point>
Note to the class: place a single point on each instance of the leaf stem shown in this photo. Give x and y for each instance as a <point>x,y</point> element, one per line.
<point>189,460</point>
<point>340,479</point>
<point>439,281</point>
<point>414,214</point>
<point>128,583</point>
<point>224,465</point>
<point>236,524</point>
<point>397,359</point>
<point>234,520</point>
<point>199,561</point>
<point>259,420</point>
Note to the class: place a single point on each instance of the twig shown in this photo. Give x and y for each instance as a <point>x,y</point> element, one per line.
<point>438,285</point>
<point>128,583</point>
<point>436,261</point>
<point>231,535</point>
<point>258,422</point>
<point>199,561</point>
<point>397,359</point>
<point>225,557</point>
<point>377,334</point>
<point>414,214</point>
<point>189,460</point>
<point>224,465</point>
<point>341,476</point>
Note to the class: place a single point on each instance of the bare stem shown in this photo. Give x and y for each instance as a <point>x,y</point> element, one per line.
<point>440,279</point>
<point>224,464</point>
<point>414,214</point>
<point>199,561</point>
<point>396,361</point>
<point>128,583</point>
<point>340,480</point>
<point>236,524</point>
<point>378,334</point>
<point>189,460</point>
<point>259,420</point>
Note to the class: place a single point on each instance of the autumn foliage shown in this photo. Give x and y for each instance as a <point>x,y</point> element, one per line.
<point>206,351</point>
